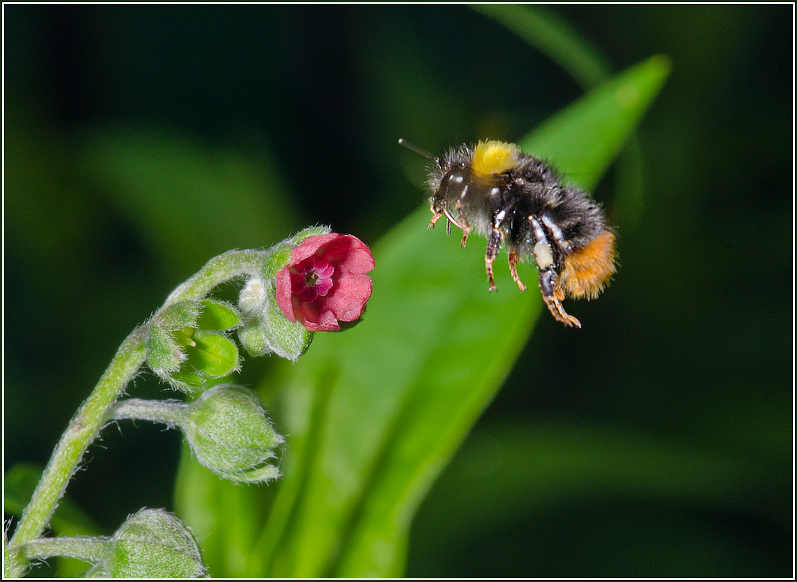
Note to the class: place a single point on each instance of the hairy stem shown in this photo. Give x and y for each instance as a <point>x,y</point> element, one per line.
<point>91,550</point>
<point>222,268</point>
<point>80,433</point>
<point>169,412</point>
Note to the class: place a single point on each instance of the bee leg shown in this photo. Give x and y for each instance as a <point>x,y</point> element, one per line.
<point>513,261</point>
<point>553,294</point>
<point>437,216</point>
<point>551,288</point>
<point>465,233</point>
<point>492,252</point>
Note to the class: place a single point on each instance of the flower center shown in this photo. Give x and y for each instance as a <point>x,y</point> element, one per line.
<point>311,278</point>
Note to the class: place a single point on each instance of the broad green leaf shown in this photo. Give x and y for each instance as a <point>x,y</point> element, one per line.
<point>375,413</point>
<point>583,139</point>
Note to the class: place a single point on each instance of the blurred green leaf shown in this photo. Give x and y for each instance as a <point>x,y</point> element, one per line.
<point>373,415</point>
<point>534,470</point>
<point>553,36</point>
<point>190,199</point>
<point>225,516</point>
<point>604,119</point>
<point>571,461</point>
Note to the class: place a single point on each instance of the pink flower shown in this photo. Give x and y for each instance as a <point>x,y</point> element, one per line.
<point>325,282</point>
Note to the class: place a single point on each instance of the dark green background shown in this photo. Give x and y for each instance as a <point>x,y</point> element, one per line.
<point>691,347</point>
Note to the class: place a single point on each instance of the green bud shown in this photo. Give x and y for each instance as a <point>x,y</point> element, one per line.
<point>254,338</point>
<point>253,301</point>
<point>254,296</point>
<point>187,346</point>
<point>179,315</point>
<point>152,544</point>
<point>164,354</point>
<point>230,434</point>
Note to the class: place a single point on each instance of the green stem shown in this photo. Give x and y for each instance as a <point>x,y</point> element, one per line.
<point>91,550</point>
<point>167,412</point>
<point>80,433</point>
<point>226,266</point>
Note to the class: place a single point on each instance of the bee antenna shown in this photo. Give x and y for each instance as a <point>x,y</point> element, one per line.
<point>417,150</point>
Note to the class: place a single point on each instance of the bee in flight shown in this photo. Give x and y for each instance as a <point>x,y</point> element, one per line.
<point>519,201</point>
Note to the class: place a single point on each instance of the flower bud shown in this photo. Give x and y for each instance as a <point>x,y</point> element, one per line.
<point>164,353</point>
<point>187,346</point>
<point>152,544</point>
<point>228,431</point>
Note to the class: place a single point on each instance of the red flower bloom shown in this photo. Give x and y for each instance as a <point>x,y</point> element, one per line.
<point>325,281</point>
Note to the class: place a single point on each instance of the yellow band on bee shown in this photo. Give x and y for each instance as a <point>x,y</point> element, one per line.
<point>494,157</point>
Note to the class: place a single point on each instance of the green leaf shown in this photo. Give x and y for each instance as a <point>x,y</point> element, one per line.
<point>374,414</point>
<point>583,139</point>
<point>553,36</point>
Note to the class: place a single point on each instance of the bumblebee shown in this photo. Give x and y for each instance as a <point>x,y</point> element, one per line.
<point>519,201</point>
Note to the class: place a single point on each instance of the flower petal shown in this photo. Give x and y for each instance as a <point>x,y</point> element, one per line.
<point>326,281</point>
<point>349,296</point>
<point>308,247</point>
<point>350,254</point>
<point>315,316</point>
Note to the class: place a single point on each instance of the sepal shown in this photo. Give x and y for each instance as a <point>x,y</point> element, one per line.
<point>266,329</point>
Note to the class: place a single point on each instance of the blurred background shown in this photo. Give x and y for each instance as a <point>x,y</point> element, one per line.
<point>142,140</point>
